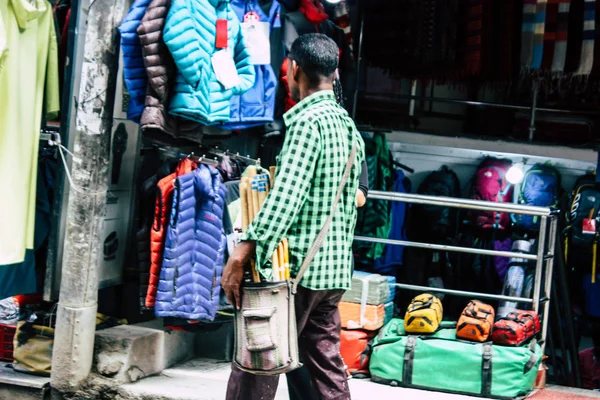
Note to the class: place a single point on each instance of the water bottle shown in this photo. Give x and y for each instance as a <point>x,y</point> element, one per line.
<point>515,278</point>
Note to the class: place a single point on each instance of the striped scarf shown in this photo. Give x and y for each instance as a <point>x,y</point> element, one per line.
<point>474,37</point>
<point>538,35</point>
<point>550,34</point>
<point>562,31</point>
<point>575,38</point>
<point>586,61</point>
<point>529,8</point>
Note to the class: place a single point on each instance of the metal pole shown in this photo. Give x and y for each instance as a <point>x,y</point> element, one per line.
<point>533,109</point>
<point>462,293</point>
<point>539,264</point>
<point>548,275</point>
<point>359,61</point>
<point>413,93</point>
<point>484,104</point>
<point>460,203</point>
<point>442,247</point>
<point>76,316</point>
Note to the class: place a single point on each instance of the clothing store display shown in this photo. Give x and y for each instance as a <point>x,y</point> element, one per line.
<point>311,18</point>
<point>161,71</point>
<point>474,37</point>
<point>190,34</point>
<point>538,34</point>
<point>589,35</point>
<point>341,17</point>
<point>432,223</point>
<point>29,82</point>
<point>257,105</point>
<point>135,78</point>
<point>393,256</point>
<point>305,179</point>
<point>550,34</point>
<point>528,32</point>
<point>190,277</point>
<point>562,34</point>
<point>162,215</point>
<point>373,218</point>
<point>575,37</point>
<point>319,328</point>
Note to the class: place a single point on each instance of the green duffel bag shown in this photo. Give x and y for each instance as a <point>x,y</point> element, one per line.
<point>442,363</point>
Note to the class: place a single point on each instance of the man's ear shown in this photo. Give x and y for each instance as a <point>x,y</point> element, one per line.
<point>295,71</point>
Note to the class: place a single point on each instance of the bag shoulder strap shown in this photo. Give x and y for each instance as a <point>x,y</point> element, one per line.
<point>323,232</point>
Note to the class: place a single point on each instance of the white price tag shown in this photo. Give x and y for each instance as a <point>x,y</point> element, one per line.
<point>225,70</point>
<point>256,38</point>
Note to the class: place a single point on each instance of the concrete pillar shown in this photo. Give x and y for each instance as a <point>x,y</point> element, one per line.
<point>76,319</point>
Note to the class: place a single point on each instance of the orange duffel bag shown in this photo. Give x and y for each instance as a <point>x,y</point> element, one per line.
<point>476,322</point>
<point>354,346</point>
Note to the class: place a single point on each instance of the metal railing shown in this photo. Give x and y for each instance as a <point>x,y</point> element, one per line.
<point>544,258</point>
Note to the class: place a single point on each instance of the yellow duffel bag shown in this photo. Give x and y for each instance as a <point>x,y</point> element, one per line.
<point>424,314</point>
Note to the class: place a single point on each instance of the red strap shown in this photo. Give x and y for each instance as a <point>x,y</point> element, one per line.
<point>221,34</point>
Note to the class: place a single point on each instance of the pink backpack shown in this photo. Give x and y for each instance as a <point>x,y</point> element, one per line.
<point>490,184</point>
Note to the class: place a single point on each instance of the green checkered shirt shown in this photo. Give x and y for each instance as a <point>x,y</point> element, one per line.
<point>319,138</point>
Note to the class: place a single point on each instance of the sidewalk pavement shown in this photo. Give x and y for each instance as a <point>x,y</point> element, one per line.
<point>207,380</point>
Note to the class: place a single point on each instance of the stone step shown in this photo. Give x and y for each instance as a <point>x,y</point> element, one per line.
<point>18,386</point>
<point>129,353</point>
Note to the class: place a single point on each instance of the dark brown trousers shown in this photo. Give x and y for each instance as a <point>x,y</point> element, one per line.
<point>319,328</point>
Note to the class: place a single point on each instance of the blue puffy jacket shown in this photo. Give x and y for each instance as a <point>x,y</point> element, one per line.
<point>134,72</point>
<point>256,106</point>
<point>190,35</point>
<point>190,278</point>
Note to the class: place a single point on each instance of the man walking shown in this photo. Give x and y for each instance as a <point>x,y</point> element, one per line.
<point>319,138</point>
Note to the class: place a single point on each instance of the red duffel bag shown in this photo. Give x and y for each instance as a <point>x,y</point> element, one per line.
<point>516,328</point>
<point>354,348</point>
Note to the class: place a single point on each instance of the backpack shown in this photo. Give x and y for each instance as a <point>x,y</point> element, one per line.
<point>435,223</point>
<point>516,328</point>
<point>490,184</point>
<point>540,187</point>
<point>476,322</point>
<point>583,218</point>
<point>424,314</point>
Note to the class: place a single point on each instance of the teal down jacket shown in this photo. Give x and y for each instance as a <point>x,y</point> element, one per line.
<point>190,35</point>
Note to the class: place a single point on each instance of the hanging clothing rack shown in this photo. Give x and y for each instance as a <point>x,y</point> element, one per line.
<point>178,154</point>
<point>227,153</point>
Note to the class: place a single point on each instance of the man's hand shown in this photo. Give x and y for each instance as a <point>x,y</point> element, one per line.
<point>233,273</point>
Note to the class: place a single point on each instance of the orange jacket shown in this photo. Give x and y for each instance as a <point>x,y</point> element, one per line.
<point>162,210</point>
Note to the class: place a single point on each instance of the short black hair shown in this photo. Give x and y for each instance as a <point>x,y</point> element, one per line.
<point>316,54</point>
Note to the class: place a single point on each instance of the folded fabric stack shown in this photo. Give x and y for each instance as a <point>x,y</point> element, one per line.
<point>368,288</point>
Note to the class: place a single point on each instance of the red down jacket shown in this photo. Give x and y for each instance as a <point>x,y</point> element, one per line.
<point>158,233</point>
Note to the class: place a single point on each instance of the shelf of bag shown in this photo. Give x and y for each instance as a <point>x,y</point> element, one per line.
<point>462,203</point>
<point>7,334</point>
<point>441,247</point>
<point>461,293</point>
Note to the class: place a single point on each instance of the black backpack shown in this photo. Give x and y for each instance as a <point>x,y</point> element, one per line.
<point>582,215</point>
<point>435,223</point>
